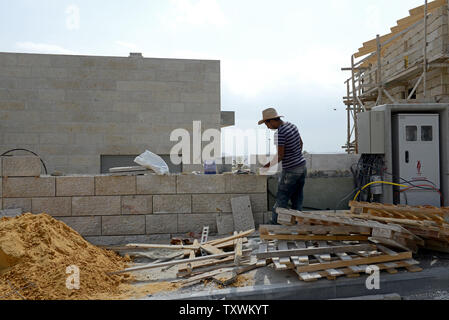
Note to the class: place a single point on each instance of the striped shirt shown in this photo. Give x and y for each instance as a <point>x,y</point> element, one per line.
<point>288,136</point>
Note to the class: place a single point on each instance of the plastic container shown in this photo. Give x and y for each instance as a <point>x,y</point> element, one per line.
<point>210,167</point>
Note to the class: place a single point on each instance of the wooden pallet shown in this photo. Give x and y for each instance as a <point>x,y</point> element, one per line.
<point>333,274</point>
<point>418,213</point>
<point>318,233</point>
<point>313,260</point>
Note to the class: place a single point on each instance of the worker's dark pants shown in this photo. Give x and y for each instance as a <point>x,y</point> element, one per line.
<point>290,187</point>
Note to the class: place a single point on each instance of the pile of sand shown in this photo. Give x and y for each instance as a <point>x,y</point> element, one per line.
<point>35,251</point>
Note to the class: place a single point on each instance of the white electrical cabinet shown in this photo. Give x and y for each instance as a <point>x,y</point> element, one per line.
<point>416,156</point>
<point>371,132</point>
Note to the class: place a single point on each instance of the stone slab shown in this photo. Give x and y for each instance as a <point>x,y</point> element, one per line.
<point>86,226</point>
<point>225,224</point>
<point>154,184</point>
<point>201,184</point>
<point>21,166</point>
<point>96,206</point>
<point>29,187</point>
<point>75,186</point>
<point>204,203</point>
<point>172,204</point>
<point>137,205</point>
<point>162,224</point>
<point>122,225</point>
<point>55,206</point>
<point>242,213</point>
<point>115,185</point>
<point>16,203</point>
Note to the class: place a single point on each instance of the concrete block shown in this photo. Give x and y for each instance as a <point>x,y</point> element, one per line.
<point>242,213</point>
<point>201,184</point>
<point>137,205</point>
<point>258,218</point>
<point>123,240</point>
<point>225,224</point>
<point>259,202</point>
<point>85,226</point>
<point>96,206</point>
<point>206,203</point>
<point>122,225</point>
<point>29,187</point>
<point>115,185</point>
<point>196,222</point>
<point>154,184</point>
<point>10,213</point>
<point>55,206</point>
<point>172,204</point>
<point>75,186</point>
<point>246,184</point>
<point>161,224</point>
<point>21,166</point>
<point>15,203</point>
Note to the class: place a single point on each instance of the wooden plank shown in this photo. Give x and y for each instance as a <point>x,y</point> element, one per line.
<point>206,263</point>
<point>283,246</point>
<point>327,256</point>
<point>315,251</point>
<point>230,238</point>
<point>342,219</point>
<point>176,262</point>
<point>242,213</point>
<point>263,247</point>
<point>211,249</point>
<point>354,262</point>
<point>305,229</point>
<point>238,252</point>
<point>229,244</point>
<point>161,246</point>
<point>314,238</point>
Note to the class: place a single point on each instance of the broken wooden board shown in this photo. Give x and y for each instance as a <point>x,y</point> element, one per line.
<point>238,252</point>
<point>225,278</point>
<point>242,213</point>
<point>242,234</point>
<point>176,262</point>
<point>313,237</point>
<point>211,249</point>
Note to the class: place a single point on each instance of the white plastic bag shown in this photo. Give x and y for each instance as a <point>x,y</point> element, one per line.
<point>152,161</point>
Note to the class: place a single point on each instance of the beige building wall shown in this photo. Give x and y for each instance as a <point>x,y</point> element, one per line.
<point>72,109</point>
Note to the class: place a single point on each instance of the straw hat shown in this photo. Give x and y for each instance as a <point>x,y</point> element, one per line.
<point>269,114</point>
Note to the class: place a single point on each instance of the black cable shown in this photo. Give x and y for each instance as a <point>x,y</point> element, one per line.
<point>45,167</point>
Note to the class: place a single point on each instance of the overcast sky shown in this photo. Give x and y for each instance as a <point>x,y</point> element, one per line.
<point>285,54</point>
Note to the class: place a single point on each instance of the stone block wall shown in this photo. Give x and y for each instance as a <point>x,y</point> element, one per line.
<point>116,209</point>
<point>72,109</point>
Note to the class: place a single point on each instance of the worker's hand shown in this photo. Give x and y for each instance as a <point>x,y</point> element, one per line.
<point>268,165</point>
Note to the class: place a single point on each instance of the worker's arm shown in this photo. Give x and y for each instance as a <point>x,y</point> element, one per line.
<point>278,158</point>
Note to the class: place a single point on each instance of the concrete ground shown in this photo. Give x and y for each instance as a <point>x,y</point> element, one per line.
<point>268,284</point>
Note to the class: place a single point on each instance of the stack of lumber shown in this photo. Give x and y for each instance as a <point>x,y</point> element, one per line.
<point>385,233</point>
<point>313,260</point>
<point>427,222</point>
<point>225,259</point>
<point>328,245</point>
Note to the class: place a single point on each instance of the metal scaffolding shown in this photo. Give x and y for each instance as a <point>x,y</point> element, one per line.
<point>361,97</point>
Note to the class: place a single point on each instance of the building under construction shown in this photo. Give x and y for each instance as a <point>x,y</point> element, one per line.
<point>399,68</point>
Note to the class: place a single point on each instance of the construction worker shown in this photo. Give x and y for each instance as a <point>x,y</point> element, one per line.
<point>289,152</point>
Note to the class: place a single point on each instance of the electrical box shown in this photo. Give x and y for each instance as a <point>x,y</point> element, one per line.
<point>416,157</point>
<point>371,132</point>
